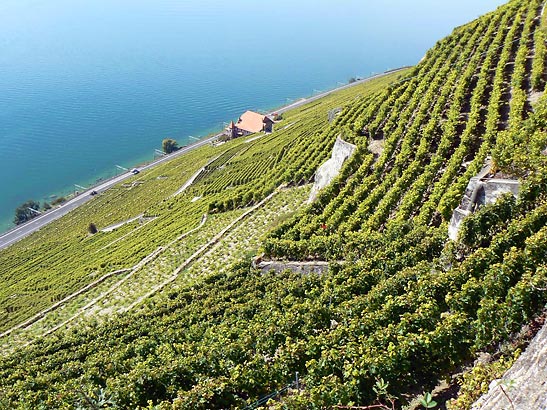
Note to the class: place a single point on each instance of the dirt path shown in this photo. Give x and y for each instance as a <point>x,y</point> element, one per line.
<point>41,314</point>
<point>200,251</point>
<point>119,224</point>
<point>132,271</point>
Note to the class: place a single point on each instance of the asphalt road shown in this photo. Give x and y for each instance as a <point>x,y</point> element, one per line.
<point>18,233</point>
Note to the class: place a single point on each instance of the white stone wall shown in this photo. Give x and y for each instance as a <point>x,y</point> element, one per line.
<point>524,386</point>
<point>329,170</point>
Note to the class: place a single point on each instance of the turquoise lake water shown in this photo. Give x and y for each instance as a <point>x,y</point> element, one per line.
<point>88,85</point>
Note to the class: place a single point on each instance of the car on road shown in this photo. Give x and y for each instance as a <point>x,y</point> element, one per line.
<point>135,171</point>
<point>93,193</point>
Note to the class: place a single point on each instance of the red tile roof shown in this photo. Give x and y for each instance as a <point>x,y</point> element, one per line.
<point>251,121</point>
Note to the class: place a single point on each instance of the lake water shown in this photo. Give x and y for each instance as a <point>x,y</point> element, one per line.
<point>88,85</point>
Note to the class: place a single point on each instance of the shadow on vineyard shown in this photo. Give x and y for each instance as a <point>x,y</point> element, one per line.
<point>400,308</point>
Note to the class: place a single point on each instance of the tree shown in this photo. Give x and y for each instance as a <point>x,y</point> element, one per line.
<point>25,212</point>
<point>92,228</point>
<point>169,145</point>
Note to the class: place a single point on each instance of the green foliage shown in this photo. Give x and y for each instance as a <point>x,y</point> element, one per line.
<point>95,400</point>
<point>428,402</point>
<point>169,145</point>
<point>538,64</point>
<point>398,309</point>
<point>475,382</point>
<point>519,151</point>
<point>26,211</point>
<point>477,229</point>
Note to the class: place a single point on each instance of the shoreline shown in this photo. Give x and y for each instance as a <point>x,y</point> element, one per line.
<point>18,232</point>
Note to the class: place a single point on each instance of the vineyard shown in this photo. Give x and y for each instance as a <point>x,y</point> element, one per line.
<point>176,317</point>
<point>62,257</point>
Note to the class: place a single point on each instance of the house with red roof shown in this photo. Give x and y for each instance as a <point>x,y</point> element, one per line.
<point>249,123</point>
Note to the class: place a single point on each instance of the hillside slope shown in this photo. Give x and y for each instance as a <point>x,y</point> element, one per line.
<point>61,258</point>
<point>400,307</point>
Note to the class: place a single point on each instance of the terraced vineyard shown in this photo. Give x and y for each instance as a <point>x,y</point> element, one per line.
<point>61,258</point>
<point>185,322</point>
<point>437,129</point>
